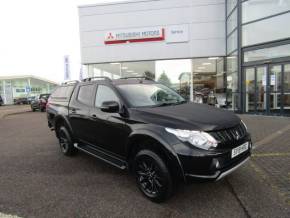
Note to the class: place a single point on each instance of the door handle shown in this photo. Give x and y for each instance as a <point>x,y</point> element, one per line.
<point>94,116</point>
<point>73,110</point>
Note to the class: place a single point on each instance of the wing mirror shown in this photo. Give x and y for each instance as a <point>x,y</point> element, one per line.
<point>110,107</point>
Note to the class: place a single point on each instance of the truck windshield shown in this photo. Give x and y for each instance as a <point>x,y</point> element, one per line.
<point>149,95</point>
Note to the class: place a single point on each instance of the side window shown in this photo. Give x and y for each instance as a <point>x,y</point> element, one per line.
<point>104,93</point>
<point>85,94</point>
<point>63,92</point>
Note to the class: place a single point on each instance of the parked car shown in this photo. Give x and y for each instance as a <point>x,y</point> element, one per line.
<point>149,129</point>
<point>30,99</point>
<point>20,101</point>
<point>40,103</point>
<point>1,101</point>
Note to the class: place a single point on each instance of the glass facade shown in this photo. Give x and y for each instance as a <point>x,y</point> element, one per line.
<point>266,56</point>
<point>231,4</point>
<point>270,29</point>
<point>246,79</point>
<point>11,89</point>
<point>257,9</point>
<point>267,53</point>
<point>201,80</point>
<point>232,54</point>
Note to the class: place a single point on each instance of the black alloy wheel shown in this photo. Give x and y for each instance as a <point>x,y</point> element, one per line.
<point>65,141</point>
<point>152,176</point>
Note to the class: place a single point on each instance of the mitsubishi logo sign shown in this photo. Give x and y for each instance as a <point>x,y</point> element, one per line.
<point>237,135</point>
<point>135,35</point>
<point>110,36</point>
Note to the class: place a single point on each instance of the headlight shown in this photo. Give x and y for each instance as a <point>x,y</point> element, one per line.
<point>244,124</point>
<point>199,139</point>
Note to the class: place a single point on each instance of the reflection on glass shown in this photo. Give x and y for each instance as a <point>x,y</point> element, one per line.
<point>109,70</point>
<point>250,80</point>
<point>208,79</point>
<point>202,80</point>
<point>256,9</point>
<point>250,89</point>
<point>231,4</point>
<point>175,74</point>
<point>275,78</point>
<point>140,68</point>
<point>232,63</point>
<point>286,98</point>
<point>261,88</point>
<point>144,95</point>
<point>286,78</point>
<point>232,42</point>
<point>267,53</point>
<point>232,22</point>
<point>275,88</point>
<point>286,101</point>
<point>266,30</point>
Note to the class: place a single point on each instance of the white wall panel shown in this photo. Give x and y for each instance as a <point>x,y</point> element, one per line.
<point>206,20</point>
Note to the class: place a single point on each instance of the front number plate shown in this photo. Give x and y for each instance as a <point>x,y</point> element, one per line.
<point>238,150</point>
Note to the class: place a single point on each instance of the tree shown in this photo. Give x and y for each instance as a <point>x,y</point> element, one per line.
<point>163,79</point>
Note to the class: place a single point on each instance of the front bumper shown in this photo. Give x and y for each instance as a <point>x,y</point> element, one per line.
<point>218,175</point>
<point>199,164</point>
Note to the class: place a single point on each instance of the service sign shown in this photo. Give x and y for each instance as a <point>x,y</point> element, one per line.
<point>135,35</point>
<point>177,33</point>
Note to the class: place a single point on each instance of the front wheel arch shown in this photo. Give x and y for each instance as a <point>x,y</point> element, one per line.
<point>138,142</point>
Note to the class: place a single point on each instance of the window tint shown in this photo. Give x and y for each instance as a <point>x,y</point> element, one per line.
<point>85,94</point>
<point>104,93</point>
<point>143,95</point>
<point>62,92</point>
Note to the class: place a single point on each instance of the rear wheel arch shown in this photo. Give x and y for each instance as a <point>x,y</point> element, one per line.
<point>61,121</point>
<point>142,141</point>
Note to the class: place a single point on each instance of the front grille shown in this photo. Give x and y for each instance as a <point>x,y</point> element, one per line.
<point>229,138</point>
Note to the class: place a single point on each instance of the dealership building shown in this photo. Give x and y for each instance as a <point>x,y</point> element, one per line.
<point>231,53</point>
<point>14,87</point>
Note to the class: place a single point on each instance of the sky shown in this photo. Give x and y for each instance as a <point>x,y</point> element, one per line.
<point>35,35</point>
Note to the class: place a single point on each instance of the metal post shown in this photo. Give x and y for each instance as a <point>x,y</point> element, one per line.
<point>240,73</point>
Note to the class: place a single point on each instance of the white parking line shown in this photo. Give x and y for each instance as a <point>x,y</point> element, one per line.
<point>2,215</point>
<point>271,137</point>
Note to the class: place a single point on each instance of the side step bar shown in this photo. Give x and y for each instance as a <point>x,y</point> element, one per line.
<point>102,156</point>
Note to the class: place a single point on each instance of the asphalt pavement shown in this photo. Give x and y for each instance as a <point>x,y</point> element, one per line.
<point>36,180</point>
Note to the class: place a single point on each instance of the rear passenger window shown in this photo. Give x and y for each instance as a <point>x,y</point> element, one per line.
<point>104,93</point>
<point>85,94</point>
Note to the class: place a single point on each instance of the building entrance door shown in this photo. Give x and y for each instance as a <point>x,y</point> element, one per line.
<point>267,89</point>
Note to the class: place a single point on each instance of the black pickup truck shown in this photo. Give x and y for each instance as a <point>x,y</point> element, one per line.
<point>146,127</point>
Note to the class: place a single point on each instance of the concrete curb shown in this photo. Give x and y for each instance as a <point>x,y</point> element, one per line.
<point>13,112</point>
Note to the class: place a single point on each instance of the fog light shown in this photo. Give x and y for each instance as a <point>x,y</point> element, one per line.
<point>217,164</point>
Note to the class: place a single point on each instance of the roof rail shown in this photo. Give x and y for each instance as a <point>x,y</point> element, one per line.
<point>95,78</point>
<point>137,77</point>
<point>70,82</point>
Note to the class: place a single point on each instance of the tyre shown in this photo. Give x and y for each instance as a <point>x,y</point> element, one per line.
<point>42,109</point>
<point>33,109</point>
<point>65,141</point>
<point>152,176</point>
